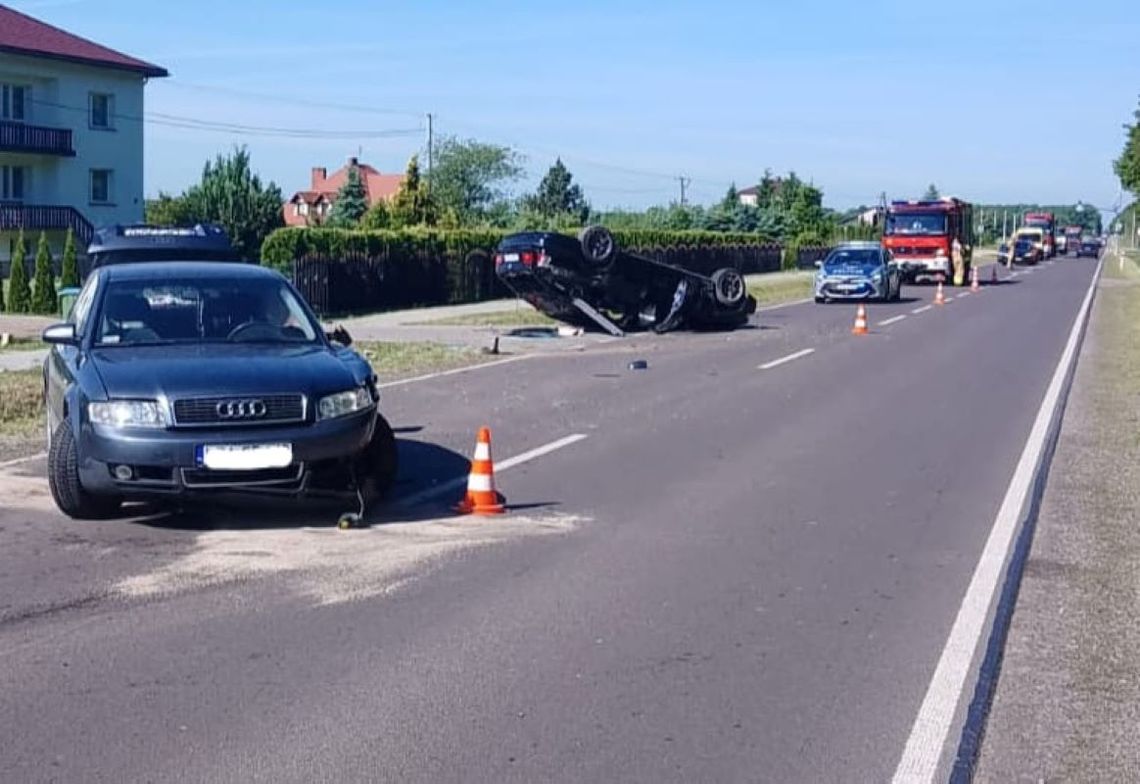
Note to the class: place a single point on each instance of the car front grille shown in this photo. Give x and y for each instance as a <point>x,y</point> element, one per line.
<point>239,411</point>
<point>909,251</point>
<point>206,478</point>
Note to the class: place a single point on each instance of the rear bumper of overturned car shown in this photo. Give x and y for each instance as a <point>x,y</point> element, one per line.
<point>168,462</point>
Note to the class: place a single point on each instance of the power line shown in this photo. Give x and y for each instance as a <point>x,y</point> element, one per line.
<point>289,99</point>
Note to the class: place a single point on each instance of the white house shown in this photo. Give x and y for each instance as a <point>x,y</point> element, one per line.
<point>71,133</point>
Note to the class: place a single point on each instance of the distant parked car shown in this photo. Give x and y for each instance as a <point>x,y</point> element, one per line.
<point>131,243</point>
<point>858,270</point>
<point>1090,246</point>
<point>590,281</point>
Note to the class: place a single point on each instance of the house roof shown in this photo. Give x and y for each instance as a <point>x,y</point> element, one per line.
<point>378,186</point>
<point>21,34</point>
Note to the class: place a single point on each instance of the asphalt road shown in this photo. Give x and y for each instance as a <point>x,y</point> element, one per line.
<point>738,574</point>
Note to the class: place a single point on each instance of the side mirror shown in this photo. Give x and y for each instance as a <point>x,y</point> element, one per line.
<point>340,335</point>
<point>819,263</point>
<point>61,335</point>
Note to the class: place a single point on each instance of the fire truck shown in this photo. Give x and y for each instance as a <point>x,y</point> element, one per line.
<point>920,237</point>
<point>1047,223</point>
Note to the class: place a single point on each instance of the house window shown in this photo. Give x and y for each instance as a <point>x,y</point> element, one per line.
<point>304,208</point>
<point>14,100</point>
<point>100,186</point>
<point>13,183</point>
<point>102,111</point>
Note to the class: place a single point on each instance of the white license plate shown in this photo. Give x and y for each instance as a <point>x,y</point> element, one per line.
<point>849,287</point>
<point>510,257</point>
<point>245,457</point>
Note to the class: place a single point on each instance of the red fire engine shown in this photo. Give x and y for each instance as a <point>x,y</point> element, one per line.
<point>920,236</point>
<point>1047,223</point>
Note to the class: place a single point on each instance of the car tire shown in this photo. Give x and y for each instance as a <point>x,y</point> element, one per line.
<point>63,480</point>
<point>598,245</point>
<point>377,464</point>
<point>729,287</point>
<point>820,300</point>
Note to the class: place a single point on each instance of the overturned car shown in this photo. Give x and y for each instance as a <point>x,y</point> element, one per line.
<point>589,281</point>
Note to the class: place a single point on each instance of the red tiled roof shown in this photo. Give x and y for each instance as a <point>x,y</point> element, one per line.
<point>21,34</point>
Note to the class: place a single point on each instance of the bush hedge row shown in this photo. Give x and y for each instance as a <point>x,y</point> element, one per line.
<point>343,271</point>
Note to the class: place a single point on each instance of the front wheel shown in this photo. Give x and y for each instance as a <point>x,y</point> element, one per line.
<point>376,466</point>
<point>63,479</point>
<point>729,286</point>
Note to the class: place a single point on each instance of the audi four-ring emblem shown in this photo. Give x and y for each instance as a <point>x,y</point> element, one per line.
<point>241,409</point>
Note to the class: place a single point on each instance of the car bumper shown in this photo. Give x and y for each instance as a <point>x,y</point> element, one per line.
<point>849,289</point>
<point>165,462</point>
<point>932,266</point>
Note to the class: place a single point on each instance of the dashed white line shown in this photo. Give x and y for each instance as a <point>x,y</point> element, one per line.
<point>964,294</point>
<point>892,320</point>
<point>923,309</point>
<point>783,360</point>
<point>500,466</point>
<point>947,299</point>
<point>928,736</point>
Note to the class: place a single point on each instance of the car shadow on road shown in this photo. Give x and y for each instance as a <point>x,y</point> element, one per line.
<point>422,466</point>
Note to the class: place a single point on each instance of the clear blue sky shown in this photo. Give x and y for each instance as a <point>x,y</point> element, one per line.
<point>996,101</point>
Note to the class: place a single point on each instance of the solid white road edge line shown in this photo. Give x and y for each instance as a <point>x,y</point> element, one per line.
<point>923,309</point>
<point>789,358</point>
<point>500,466</point>
<point>452,372</point>
<point>892,320</point>
<point>928,736</point>
<point>22,460</point>
<point>766,308</point>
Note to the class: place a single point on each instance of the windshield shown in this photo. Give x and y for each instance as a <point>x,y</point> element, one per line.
<point>1042,222</point>
<point>861,257</point>
<point>916,223</point>
<point>187,311</point>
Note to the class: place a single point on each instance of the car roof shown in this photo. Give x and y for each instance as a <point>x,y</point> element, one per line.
<point>201,237</point>
<point>160,270</point>
<point>859,245</point>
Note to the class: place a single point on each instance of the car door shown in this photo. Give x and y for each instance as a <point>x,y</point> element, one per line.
<point>894,276</point>
<point>62,364</point>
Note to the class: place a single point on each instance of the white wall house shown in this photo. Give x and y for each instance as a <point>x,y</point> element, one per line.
<point>71,134</point>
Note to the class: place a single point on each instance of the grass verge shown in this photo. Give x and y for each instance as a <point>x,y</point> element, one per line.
<point>777,287</point>
<point>21,410</point>
<point>23,344</point>
<point>401,359</point>
<point>523,316</point>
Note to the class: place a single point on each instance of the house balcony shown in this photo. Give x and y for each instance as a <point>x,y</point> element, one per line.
<point>44,217</point>
<point>21,137</point>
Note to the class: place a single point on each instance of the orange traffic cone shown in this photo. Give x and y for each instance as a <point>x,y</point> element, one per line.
<point>939,297</point>
<point>482,497</point>
<point>860,327</point>
<point>974,284</point>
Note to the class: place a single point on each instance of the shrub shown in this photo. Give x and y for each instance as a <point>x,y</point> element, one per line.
<point>44,297</point>
<point>19,292</point>
<point>69,274</point>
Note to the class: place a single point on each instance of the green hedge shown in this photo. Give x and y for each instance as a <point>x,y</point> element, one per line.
<point>384,269</point>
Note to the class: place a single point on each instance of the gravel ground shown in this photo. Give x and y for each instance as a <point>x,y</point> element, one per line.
<point>1067,706</point>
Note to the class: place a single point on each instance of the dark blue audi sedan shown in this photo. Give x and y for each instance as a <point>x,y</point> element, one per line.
<point>179,378</point>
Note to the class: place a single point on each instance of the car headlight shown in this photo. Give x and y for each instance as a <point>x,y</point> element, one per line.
<point>126,413</point>
<point>343,403</point>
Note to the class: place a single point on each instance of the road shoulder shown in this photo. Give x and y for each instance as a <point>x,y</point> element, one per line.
<point>1068,700</point>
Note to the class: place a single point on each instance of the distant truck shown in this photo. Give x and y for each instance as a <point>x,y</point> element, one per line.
<point>1072,238</point>
<point>920,236</point>
<point>1047,223</point>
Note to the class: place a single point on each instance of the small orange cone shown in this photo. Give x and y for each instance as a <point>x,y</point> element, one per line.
<point>860,327</point>
<point>939,297</point>
<point>482,497</point>
<point>974,284</point>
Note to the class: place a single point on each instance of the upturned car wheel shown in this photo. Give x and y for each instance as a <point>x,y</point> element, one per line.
<point>728,284</point>
<point>598,245</point>
<point>63,479</point>
<point>376,466</point>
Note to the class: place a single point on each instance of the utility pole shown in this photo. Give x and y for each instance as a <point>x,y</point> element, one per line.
<point>429,150</point>
<point>685,181</point>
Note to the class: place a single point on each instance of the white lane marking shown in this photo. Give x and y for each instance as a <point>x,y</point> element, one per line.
<point>503,465</point>
<point>947,299</point>
<point>928,736</point>
<point>785,304</point>
<point>783,360</point>
<point>892,320</point>
<point>923,309</point>
<point>452,372</point>
<point>22,460</point>
<point>1014,274</point>
<point>964,294</point>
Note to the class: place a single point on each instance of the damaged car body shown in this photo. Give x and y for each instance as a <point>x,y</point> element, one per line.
<point>589,281</point>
